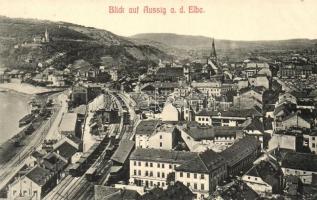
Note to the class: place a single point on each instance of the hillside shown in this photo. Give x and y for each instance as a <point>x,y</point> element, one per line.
<point>201,42</point>
<point>68,43</point>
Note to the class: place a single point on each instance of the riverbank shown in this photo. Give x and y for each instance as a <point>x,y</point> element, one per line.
<point>23,88</point>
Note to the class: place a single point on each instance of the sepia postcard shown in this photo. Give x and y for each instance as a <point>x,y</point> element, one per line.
<point>158,99</point>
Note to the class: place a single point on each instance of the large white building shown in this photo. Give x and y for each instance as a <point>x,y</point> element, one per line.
<point>208,88</point>
<point>201,172</point>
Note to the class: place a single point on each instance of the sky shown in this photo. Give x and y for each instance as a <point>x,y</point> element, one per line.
<point>222,19</point>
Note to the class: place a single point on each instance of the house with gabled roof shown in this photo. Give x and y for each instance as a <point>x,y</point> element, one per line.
<point>35,184</point>
<point>265,178</point>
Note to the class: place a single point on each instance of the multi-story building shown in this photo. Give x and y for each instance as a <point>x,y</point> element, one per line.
<point>233,117</point>
<point>295,71</point>
<point>302,165</point>
<point>310,141</point>
<point>265,178</point>
<point>151,167</point>
<point>35,184</point>
<point>201,172</point>
<point>208,88</point>
<point>199,138</point>
<point>155,134</point>
<point>241,154</point>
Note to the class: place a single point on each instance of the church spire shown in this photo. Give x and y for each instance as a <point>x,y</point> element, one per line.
<point>213,54</point>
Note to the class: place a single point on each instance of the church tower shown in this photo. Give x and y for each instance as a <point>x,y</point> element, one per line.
<point>212,60</point>
<point>47,36</point>
<point>213,54</point>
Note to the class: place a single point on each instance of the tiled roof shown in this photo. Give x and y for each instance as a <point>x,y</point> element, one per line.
<point>241,113</point>
<point>160,155</point>
<point>204,162</point>
<point>300,161</point>
<point>253,124</point>
<point>147,127</point>
<point>109,193</point>
<point>240,150</point>
<point>123,151</point>
<point>66,150</point>
<point>206,132</point>
<point>39,175</point>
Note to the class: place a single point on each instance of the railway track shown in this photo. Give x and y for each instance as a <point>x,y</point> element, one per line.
<point>75,188</point>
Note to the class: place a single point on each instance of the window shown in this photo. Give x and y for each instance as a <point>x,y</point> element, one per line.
<point>195,186</point>
<point>162,165</point>
<point>202,187</point>
<point>313,138</point>
<point>146,164</point>
<point>161,144</point>
<point>256,178</point>
<point>170,166</point>
<point>181,174</point>
<point>188,185</point>
<point>158,165</point>
<point>158,174</point>
<point>195,175</point>
<point>158,184</point>
<point>248,177</point>
<point>313,145</point>
<point>163,184</point>
<point>139,172</point>
<point>188,175</point>
<point>134,172</point>
<point>151,183</point>
<point>161,137</point>
<point>202,176</point>
<point>163,175</point>
<point>134,163</point>
<point>139,163</point>
<point>146,173</point>
<point>151,164</point>
<point>151,174</point>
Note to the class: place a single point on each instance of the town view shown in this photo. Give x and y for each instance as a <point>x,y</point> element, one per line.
<point>88,114</point>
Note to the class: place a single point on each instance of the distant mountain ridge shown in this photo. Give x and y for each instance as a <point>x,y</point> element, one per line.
<point>202,42</point>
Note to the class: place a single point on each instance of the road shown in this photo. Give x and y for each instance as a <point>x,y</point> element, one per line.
<point>9,169</point>
<point>53,131</point>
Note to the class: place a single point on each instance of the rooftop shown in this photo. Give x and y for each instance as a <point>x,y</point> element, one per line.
<point>66,150</point>
<point>199,132</point>
<point>147,127</point>
<point>68,122</point>
<point>204,162</point>
<point>123,151</point>
<point>240,149</point>
<point>300,161</point>
<point>109,193</point>
<point>39,175</point>
<point>160,155</point>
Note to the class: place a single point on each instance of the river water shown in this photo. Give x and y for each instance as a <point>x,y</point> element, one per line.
<point>13,106</point>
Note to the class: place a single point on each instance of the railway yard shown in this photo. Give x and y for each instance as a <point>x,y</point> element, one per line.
<point>94,166</point>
